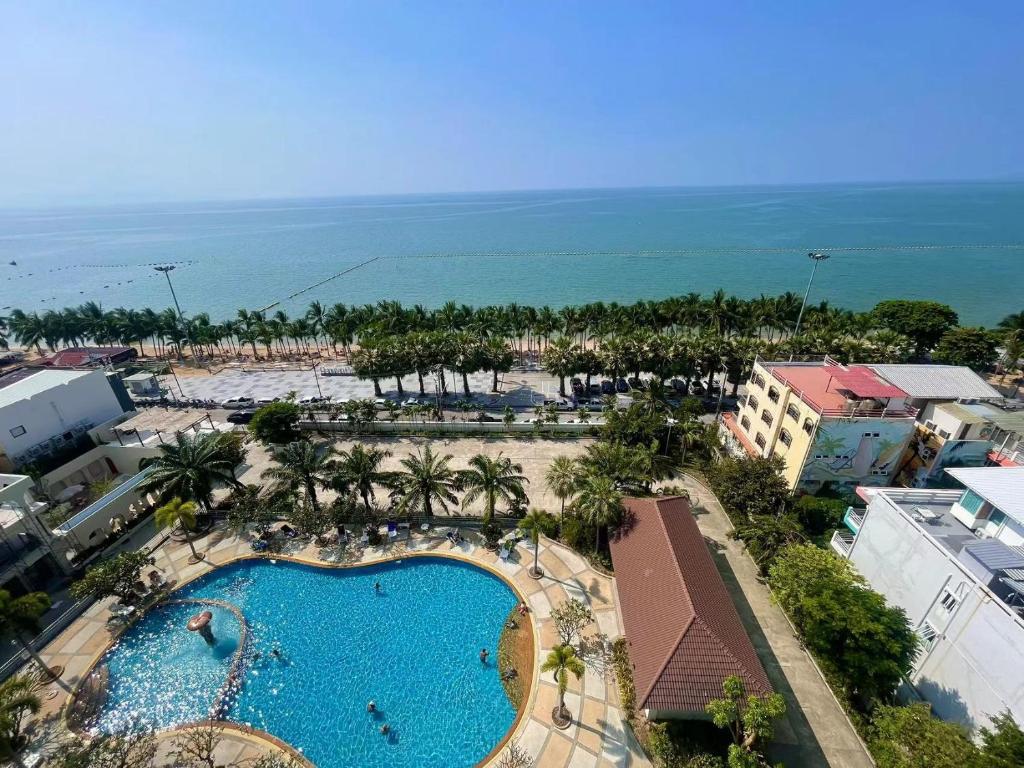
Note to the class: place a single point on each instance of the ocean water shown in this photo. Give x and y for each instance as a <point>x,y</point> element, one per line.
<point>412,648</point>
<point>554,248</point>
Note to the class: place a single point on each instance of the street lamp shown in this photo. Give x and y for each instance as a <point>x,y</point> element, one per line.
<point>815,257</point>
<point>167,273</point>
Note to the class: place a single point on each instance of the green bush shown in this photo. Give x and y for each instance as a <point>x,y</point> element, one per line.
<point>277,423</point>
<point>576,533</point>
<point>819,515</point>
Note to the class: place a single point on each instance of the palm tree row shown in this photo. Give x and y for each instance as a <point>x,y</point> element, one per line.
<point>529,330</point>
<point>426,485</point>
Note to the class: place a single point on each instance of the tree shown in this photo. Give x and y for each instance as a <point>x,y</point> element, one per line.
<point>629,468</point>
<point>559,359</point>
<point>190,469</point>
<point>18,698</point>
<point>20,616</point>
<point>497,478</point>
<point>764,537</point>
<point>276,423</point>
<point>195,747</point>
<point>749,486</point>
<point>180,513</point>
<point>1003,744</point>
<point>302,464</point>
<point>561,478</point>
<point>976,348</point>
<point>570,618</point>
<point>427,480</point>
<point>247,509</point>
<point>119,750</point>
<point>924,322</point>
<point>599,503</point>
<point>114,576</point>
<point>515,756</point>
<point>748,718</point>
<point>533,524</point>
<point>562,660</point>
<point>360,469</point>
<point>909,737</point>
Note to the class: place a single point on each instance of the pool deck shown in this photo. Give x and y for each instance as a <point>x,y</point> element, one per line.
<point>598,737</point>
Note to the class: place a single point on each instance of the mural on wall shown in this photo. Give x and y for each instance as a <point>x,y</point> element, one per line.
<point>851,452</point>
<point>927,457</point>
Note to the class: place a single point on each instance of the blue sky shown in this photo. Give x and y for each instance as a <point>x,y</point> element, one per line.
<point>179,100</point>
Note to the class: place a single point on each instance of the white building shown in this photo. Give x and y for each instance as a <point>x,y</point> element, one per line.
<point>953,560</point>
<point>30,554</point>
<point>44,411</point>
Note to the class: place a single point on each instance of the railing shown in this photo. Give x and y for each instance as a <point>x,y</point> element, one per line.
<point>854,519</point>
<point>842,542</point>
<point>851,410</point>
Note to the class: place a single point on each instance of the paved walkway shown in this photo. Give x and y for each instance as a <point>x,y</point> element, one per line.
<point>598,737</point>
<point>815,731</point>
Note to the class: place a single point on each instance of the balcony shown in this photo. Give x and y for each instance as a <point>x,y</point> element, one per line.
<point>854,518</point>
<point>841,542</point>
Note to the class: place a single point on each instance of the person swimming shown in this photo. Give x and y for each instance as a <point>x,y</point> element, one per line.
<point>377,587</point>
<point>276,653</point>
<point>385,729</point>
<point>371,706</point>
<point>483,655</point>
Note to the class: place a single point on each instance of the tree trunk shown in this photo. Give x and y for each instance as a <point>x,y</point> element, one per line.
<point>366,500</point>
<point>494,381</point>
<point>561,385</point>
<point>427,509</point>
<point>420,376</point>
<point>398,383</point>
<point>376,387</point>
<point>191,546</point>
<point>465,384</point>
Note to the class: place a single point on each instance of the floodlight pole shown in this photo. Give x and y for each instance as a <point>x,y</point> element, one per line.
<point>188,335</point>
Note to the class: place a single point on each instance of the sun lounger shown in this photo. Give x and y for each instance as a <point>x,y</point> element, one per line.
<point>504,553</point>
<point>364,539</point>
<point>392,530</point>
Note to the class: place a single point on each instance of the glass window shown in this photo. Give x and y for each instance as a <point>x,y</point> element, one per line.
<point>773,394</point>
<point>17,431</point>
<point>760,440</point>
<point>758,380</point>
<point>948,601</point>
<point>752,402</point>
<point>808,426</point>
<point>928,635</point>
<point>766,417</point>
<point>785,438</point>
<point>793,412</point>
<point>745,422</point>
<point>971,502</point>
<point>997,517</point>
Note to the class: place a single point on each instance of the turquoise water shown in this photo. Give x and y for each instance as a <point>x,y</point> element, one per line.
<point>412,648</point>
<point>622,245</point>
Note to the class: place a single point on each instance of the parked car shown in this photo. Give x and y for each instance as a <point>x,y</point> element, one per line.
<point>577,387</point>
<point>696,388</point>
<point>487,418</point>
<point>266,401</point>
<point>678,385</point>
<point>241,417</point>
<point>594,390</point>
<point>621,385</point>
<point>312,400</point>
<point>607,388</point>
<point>635,383</point>
<point>238,402</point>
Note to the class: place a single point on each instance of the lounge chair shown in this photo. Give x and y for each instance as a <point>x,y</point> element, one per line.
<point>455,537</point>
<point>504,553</point>
<point>288,531</point>
<point>392,530</point>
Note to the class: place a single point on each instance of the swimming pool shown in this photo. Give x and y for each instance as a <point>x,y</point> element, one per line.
<point>412,647</point>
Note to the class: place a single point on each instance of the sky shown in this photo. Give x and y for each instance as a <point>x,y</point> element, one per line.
<point>106,102</point>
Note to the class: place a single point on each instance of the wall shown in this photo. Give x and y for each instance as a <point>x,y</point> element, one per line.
<point>50,413</point>
<point>95,465</point>
<point>976,666</point>
<point>848,452</point>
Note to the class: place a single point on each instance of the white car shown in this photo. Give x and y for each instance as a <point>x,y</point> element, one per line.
<point>237,402</point>
<point>266,401</point>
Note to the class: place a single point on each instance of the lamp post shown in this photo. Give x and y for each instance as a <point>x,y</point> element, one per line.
<point>167,273</point>
<point>815,257</point>
<point>316,377</point>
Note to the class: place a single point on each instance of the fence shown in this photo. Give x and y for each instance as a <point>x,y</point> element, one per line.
<point>567,429</point>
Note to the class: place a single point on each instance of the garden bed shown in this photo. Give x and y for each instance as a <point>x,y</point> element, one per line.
<point>515,651</point>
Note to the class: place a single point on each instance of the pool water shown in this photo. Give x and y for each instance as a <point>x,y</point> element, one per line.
<point>412,647</point>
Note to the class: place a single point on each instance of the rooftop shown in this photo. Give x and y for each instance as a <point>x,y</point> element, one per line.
<point>835,389</point>
<point>1002,487</point>
<point>91,356</point>
<point>684,633</point>
<point>937,382</point>
<point>930,509</point>
<point>23,383</point>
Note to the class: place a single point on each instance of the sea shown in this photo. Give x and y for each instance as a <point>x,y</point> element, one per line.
<point>958,243</point>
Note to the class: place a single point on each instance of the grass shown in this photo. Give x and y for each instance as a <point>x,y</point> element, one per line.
<point>515,651</point>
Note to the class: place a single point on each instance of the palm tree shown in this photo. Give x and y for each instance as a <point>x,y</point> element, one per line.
<point>180,513</point>
<point>359,470</point>
<point>562,477</point>
<point>598,502</point>
<point>18,697</point>
<point>190,468</point>
<point>561,661</point>
<point>426,480</point>
<point>20,616</point>
<point>689,432</point>
<point>302,464</point>
<point>533,524</point>
<point>493,479</point>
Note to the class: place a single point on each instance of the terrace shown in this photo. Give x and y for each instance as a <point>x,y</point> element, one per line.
<point>832,389</point>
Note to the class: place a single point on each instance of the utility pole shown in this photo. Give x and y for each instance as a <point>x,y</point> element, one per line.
<point>188,335</point>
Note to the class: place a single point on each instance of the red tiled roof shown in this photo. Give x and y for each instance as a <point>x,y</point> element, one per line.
<point>684,634</point>
<point>729,419</point>
<point>864,382</point>
<point>78,356</point>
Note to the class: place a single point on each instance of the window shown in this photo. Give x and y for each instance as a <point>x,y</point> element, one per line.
<point>793,412</point>
<point>944,434</point>
<point>773,394</point>
<point>745,423</point>
<point>930,426</point>
<point>758,379</point>
<point>928,636</point>
<point>785,438</point>
<point>971,502</point>
<point>766,417</point>
<point>997,517</point>
<point>808,426</point>
<point>948,601</point>
<point>760,440</point>
<point>17,431</point>
<point>752,402</point>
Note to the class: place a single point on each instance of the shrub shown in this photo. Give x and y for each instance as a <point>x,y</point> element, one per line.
<point>906,737</point>
<point>277,423</point>
<point>819,515</point>
<point>575,532</point>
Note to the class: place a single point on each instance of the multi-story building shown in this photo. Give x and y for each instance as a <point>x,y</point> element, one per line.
<point>44,412</point>
<point>953,560</point>
<point>30,554</point>
<point>841,425</point>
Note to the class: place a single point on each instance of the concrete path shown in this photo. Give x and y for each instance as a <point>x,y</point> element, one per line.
<point>815,731</point>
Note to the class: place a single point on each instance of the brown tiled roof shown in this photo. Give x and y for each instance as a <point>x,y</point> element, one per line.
<point>684,634</point>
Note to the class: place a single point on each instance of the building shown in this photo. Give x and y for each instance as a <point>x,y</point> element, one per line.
<point>89,357</point>
<point>684,634</point>
<point>30,555</point>
<point>47,412</point>
<point>831,424</point>
<point>953,560</point>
